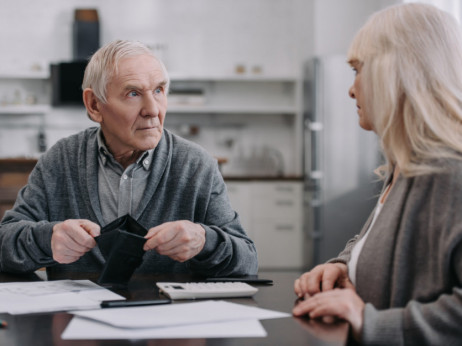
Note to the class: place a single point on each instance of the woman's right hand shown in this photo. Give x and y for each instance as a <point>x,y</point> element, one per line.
<point>322,278</point>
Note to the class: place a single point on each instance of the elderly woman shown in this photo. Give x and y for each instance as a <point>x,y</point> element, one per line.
<point>399,281</point>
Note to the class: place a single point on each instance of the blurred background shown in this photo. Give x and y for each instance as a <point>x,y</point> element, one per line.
<point>261,84</point>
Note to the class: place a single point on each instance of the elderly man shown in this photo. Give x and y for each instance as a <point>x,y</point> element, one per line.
<point>130,165</point>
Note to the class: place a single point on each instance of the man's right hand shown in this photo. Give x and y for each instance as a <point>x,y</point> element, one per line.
<point>71,239</point>
<point>323,277</point>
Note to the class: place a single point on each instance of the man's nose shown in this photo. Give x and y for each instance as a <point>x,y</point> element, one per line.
<point>150,107</point>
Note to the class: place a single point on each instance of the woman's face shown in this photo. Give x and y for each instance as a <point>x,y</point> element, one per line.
<point>356,93</point>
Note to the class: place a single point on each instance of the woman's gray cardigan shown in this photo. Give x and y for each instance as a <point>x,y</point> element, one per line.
<point>185,184</point>
<point>409,271</point>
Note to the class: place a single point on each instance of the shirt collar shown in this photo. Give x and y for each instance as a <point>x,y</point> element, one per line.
<point>144,160</point>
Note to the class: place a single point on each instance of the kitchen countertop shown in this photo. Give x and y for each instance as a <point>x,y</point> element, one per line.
<point>13,163</point>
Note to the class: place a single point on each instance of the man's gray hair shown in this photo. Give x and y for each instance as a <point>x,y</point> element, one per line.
<point>103,65</point>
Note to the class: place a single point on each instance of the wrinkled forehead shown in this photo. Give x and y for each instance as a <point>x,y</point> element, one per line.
<point>119,60</point>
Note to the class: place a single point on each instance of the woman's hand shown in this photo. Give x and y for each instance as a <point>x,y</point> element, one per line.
<point>340,303</point>
<point>321,278</point>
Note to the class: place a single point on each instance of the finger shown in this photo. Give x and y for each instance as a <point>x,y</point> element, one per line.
<point>333,274</point>
<point>68,247</point>
<point>63,259</point>
<point>80,236</point>
<point>159,237</point>
<point>329,319</point>
<point>312,283</point>
<point>154,230</point>
<point>61,241</point>
<point>297,288</point>
<point>180,253</point>
<point>302,308</point>
<point>328,281</point>
<point>90,227</point>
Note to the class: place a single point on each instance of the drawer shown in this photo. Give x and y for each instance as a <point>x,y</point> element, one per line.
<point>279,244</point>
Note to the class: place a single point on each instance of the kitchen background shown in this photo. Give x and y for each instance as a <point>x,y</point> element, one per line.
<point>243,87</point>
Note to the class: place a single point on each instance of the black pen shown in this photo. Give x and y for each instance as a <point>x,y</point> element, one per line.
<point>3,324</point>
<point>129,303</point>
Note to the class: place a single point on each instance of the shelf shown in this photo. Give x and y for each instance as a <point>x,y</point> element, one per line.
<point>172,108</point>
<point>42,74</point>
<point>233,78</point>
<point>24,109</point>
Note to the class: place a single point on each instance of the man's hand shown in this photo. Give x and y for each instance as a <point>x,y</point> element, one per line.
<point>321,278</point>
<point>179,240</point>
<point>71,239</point>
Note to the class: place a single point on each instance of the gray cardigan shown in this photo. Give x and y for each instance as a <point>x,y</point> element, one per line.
<point>185,184</point>
<point>409,271</point>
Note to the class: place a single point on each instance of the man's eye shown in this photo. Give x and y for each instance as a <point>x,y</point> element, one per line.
<point>132,93</point>
<point>158,90</point>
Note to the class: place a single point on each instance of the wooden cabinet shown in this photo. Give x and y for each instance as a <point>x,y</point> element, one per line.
<point>271,214</point>
<point>13,176</point>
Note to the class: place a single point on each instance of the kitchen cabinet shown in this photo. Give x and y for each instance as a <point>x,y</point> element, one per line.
<point>25,92</point>
<point>13,176</point>
<point>271,213</point>
<point>236,101</point>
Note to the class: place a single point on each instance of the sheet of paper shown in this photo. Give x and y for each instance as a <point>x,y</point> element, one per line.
<point>85,329</point>
<point>208,311</point>
<point>46,296</point>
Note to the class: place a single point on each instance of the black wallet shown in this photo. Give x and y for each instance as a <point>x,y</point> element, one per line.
<point>121,243</point>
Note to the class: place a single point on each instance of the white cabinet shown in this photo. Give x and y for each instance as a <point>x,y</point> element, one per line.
<point>271,213</point>
<point>24,92</point>
<point>254,120</point>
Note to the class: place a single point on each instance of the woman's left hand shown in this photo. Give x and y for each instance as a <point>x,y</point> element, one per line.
<point>340,303</point>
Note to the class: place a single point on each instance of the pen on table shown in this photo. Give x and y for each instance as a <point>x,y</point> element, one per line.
<point>125,303</point>
<point>3,324</point>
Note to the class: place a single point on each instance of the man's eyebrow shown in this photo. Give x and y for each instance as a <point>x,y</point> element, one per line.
<point>131,87</point>
<point>137,87</point>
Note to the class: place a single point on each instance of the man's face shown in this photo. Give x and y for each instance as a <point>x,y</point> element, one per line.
<point>133,117</point>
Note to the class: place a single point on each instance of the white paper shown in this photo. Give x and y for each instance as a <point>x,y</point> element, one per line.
<point>177,314</point>
<point>84,329</point>
<point>47,296</point>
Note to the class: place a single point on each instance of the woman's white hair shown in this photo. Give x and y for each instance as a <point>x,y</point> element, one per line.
<point>411,77</point>
<point>103,65</point>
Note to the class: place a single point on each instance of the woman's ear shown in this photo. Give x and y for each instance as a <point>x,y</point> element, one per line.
<point>93,105</point>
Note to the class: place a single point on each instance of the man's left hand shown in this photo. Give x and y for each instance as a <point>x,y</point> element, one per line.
<point>179,240</point>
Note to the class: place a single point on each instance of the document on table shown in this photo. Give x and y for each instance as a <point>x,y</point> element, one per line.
<point>180,320</point>
<point>47,296</point>
<point>84,329</point>
<point>208,311</point>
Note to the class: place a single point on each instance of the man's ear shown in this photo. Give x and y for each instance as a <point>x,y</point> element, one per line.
<point>93,105</point>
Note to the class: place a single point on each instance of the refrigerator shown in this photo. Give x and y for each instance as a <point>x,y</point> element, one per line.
<point>340,188</point>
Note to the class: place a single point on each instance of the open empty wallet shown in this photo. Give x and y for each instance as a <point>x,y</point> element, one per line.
<point>121,243</point>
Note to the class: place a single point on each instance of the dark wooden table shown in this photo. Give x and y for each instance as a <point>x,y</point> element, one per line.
<point>44,329</point>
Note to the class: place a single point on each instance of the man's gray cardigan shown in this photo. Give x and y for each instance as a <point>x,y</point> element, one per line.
<point>409,271</point>
<point>185,184</point>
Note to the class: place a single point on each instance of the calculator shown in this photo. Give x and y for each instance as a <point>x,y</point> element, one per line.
<point>204,290</point>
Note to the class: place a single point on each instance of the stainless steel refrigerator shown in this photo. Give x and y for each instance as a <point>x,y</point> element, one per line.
<point>340,188</point>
